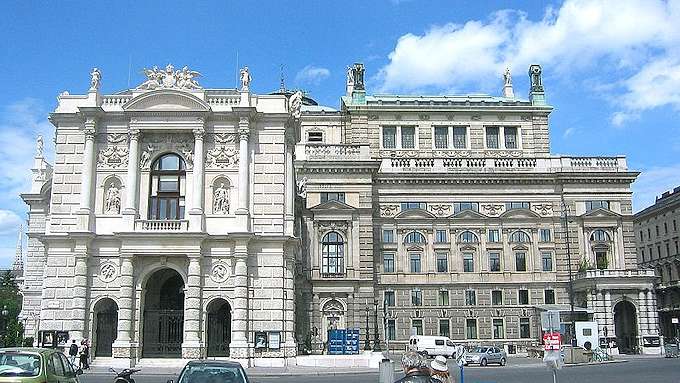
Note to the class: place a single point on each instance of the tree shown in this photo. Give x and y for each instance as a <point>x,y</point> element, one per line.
<point>10,299</point>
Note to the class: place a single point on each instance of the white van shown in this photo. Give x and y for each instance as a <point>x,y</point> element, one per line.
<point>432,345</point>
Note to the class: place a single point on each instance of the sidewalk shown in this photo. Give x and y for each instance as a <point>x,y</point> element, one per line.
<point>253,371</point>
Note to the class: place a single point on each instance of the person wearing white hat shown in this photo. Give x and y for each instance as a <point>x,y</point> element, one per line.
<point>439,370</point>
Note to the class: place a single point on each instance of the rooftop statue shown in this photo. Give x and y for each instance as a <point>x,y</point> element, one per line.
<point>95,79</point>
<point>358,76</point>
<point>169,78</point>
<point>507,78</point>
<point>245,78</point>
<point>39,146</point>
<point>295,104</point>
<point>535,76</point>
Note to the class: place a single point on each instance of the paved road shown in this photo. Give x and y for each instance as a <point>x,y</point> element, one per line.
<point>646,370</point>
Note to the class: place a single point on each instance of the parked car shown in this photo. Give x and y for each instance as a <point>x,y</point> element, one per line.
<point>212,371</point>
<point>432,345</point>
<point>484,355</point>
<point>36,365</point>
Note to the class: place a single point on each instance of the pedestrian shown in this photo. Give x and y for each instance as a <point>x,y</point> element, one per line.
<point>84,355</point>
<point>439,370</point>
<point>415,369</point>
<point>73,353</point>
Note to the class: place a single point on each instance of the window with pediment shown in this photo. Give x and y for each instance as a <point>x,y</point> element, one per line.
<point>415,237</point>
<point>168,186</point>
<point>601,242</point>
<point>332,254</point>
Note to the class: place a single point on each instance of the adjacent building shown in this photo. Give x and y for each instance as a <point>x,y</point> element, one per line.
<point>656,231</point>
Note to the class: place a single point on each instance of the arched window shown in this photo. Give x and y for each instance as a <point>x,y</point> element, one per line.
<point>468,237</point>
<point>332,254</point>
<point>414,237</point>
<point>600,235</point>
<point>520,237</point>
<point>168,185</point>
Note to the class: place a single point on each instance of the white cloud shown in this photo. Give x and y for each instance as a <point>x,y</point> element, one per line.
<point>312,75</point>
<point>9,222</point>
<point>568,132</point>
<point>652,183</point>
<point>635,41</point>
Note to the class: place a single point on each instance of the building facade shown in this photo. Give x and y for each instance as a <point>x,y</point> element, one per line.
<point>656,229</point>
<point>452,213</point>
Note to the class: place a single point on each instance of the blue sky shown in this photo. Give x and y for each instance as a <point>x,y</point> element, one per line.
<point>611,68</point>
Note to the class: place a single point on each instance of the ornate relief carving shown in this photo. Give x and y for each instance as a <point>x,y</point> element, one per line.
<point>178,142</point>
<point>219,273</point>
<point>476,117</point>
<point>115,153</point>
<point>108,272</point>
<point>424,117</point>
<point>221,157</point>
<point>440,210</point>
<point>389,210</point>
<point>543,209</point>
<point>340,226</point>
<point>451,153</point>
<point>399,153</point>
<point>492,209</point>
<point>170,78</point>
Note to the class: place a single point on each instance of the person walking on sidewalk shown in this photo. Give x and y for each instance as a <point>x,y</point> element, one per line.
<point>414,368</point>
<point>73,353</point>
<point>84,355</point>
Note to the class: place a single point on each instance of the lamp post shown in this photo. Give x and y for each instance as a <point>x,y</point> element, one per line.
<point>376,337</point>
<point>3,325</point>
<point>367,344</point>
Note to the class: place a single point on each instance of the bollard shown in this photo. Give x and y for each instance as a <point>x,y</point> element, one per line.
<point>386,371</point>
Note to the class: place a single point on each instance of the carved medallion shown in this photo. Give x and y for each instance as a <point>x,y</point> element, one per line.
<point>340,226</point>
<point>492,209</point>
<point>440,210</point>
<point>388,210</point>
<point>219,273</point>
<point>108,272</point>
<point>543,209</point>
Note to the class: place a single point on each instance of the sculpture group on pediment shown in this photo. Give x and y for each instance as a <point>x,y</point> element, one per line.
<point>170,78</point>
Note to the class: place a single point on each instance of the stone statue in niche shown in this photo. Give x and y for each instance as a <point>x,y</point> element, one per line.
<point>221,200</point>
<point>112,202</point>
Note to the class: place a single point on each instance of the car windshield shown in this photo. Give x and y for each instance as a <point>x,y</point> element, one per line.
<point>480,350</point>
<point>19,364</point>
<point>212,374</point>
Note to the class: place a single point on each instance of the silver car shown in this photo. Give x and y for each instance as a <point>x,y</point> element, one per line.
<point>484,355</point>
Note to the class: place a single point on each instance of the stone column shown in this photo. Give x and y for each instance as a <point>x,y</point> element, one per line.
<point>643,320</point>
<point>290,188</point>
<point>238,348</point>
<point>85,208</point>
<point>79,301</point>
<point>122,347</point>
<point>608,314</point>
<point>192,346</point>
<point>242,212</point>
<point>130,208</point>
<point>196,212</point>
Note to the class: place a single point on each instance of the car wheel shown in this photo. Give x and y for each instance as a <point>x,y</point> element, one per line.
<point>503,361</point>
<point>482,362</point>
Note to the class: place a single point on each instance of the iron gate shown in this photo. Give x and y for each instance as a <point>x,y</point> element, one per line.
<point>107,329</point>
<point>163,333</point>
<point>219,333</point>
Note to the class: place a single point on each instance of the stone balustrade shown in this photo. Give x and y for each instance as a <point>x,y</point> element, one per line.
<point>115,100</point>
<point>160,225</point>
<point>332,152</point>
<point>645,273</point>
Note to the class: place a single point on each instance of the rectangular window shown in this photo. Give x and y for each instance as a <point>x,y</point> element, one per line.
<point>389,137</point>
<point>510,138</point>
<point>440,236</point>
<point>492,137</point>
<point>494,236</point>
<point>459,133</point>
<point>416,297</point>
<point>521,261</point>
<point>408,137</point>
<point>468,263</point>
<point>413,205</point>
<point>545,235</point>
<point>675,226</point>
<point>665,227</point>
<point>441,137</point>
<point>391,329</point>
<point>516,205</point>
<point>417,327</point>
<point>642,237</point>
<point>498,329</point>
<point>524,328</point>
<point>443,298</point>
<point>388,236</point>
<point>389,298</point>
<point>314,137</point>
<point>470,298</point>
<point>668,249</point>
<point>388,263</point>
<point>168,184</point>
<point>494,262</point>
<point>415,263</point>
<point>601,261</point>
<point>497,297</point>
<point>461,206</point>
<point>444,329</point>
<point>598,204</point>
<point>549,296</point>
<point>523,297</point>
<point>442,263</point>
<point>642,252</point>
<point>336,196</point>
<point>471,328</point>
<point>547,261</point>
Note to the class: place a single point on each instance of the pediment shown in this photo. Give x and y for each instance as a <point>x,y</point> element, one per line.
<point>333,205</point>
<point>166,100</point>
<point>601,213</point>
<point>468,214</point>
<point>414,213</point>
<point>519,213</point>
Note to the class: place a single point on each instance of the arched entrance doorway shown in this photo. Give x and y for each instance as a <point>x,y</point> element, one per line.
<point>106,327</point>
<point>333,313</point>
<point>219,328</point>
<point>163,315</point>
<point>625,322</point>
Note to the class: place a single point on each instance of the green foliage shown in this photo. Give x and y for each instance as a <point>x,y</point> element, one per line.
<point>585,265</point>
<point>10,300</point>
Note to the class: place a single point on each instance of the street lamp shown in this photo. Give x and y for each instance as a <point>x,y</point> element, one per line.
<point>3,324</point>
<point>367,344</point>
<point>376,338</point>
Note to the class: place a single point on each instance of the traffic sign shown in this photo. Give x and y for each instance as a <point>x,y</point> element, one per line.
<point>675,320</point>
<point>552,341</point>
<point>550,320</point>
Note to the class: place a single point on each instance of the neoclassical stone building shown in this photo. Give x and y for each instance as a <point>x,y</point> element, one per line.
<point>450,211</point>
<point>165,227</point>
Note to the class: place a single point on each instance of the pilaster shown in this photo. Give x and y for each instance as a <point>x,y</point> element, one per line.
<point>192,346</point>
<point>196,214</point>
<point>122,347</point>
<point>85,208</point>
<point>130,208</point>
<point>243,210</point>
<point>238,347</point>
